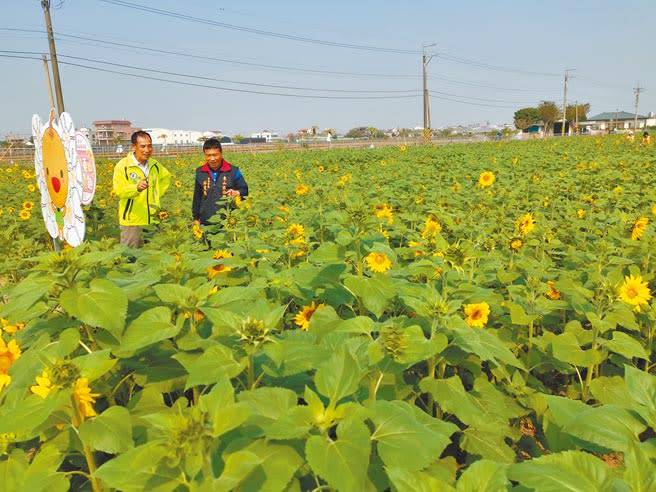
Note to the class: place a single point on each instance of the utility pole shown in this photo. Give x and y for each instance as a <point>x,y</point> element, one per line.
<point>576,116</point>
<point>45,68</point>
<point>637,91</point>
<point>53,56</point>
<point>425,59</point>
<point>562,129</point>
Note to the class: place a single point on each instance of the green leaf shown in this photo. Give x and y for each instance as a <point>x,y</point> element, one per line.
<point>339,376</point>
<point>608,426</point>
<point>342,462</point>
<point>150,327</point>
<point>488,442</point>
<point>103,304</point>
<point>140,469</point>
<point>566,349</point>
<point>418,348</point>
<point>95,364</point>
<point>518,316</point>
<point>110,432</point>
<point>570,471</point>
<point>405,480</point>
<point>210,366</point>
<point>626,346</point>
<point>485,345</point>
<point>564,409</point>
<point>278,465</point>
<point>175,294</point>
<point>238,466</point>
<point>40,475</point>
<point>402,441</point>
<point>639,472</point>
<point>642,387</point>
<point>29,414</point>
<point>483,476</point>
<point>375,293</point>
<point>295,353</point>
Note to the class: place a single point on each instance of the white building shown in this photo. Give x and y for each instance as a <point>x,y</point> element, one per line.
<point>268,135</point>
<point>164,136</point>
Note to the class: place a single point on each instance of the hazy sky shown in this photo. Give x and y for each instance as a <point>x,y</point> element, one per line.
<point>337,64</point>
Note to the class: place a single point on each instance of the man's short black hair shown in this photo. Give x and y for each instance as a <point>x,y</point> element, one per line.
<point>139,133</point>
<point>212,143</point>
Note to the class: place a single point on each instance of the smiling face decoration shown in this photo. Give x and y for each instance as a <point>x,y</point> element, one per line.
<point>59,176</point>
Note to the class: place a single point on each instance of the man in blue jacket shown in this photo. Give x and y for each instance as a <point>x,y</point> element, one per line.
<point>216,180</point>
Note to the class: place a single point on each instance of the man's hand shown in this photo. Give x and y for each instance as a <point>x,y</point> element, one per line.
<point>142,185</point>
<point>232,193</point>
<point>197,222</point>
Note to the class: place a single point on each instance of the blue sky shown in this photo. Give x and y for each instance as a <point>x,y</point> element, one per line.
<point>339,64</point>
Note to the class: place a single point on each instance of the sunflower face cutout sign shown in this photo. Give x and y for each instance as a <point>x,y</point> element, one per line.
<point>59,176</point>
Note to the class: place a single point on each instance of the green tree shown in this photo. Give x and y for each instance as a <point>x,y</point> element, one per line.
<point>526,117</point>
<point>372,131</point>
<point>549,112</point>
<point>577,109</point>
<point>237,138</point>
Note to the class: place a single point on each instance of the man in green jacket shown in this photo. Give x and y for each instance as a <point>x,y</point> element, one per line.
<point>139,182</point>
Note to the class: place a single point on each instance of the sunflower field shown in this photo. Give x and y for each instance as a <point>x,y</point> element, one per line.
<point>468,318</point>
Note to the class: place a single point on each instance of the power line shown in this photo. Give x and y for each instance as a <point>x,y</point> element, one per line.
<point>302,39</point>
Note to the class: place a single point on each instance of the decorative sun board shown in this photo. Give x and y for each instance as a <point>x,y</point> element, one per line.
<point>59,176</point>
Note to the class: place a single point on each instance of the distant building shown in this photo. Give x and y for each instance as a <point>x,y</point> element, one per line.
<point>267,135</point>
<point>111,131</point>
<point>12,139</point>
<point>617,121</point>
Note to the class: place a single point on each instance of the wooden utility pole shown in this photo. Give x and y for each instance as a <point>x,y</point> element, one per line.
<point>45,68</point>
<point>53,56</point>
<point>425,59</point>
<point>637,91</point>
<point>562,129</point>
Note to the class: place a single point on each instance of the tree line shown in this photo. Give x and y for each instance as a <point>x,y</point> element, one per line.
<point>548,112</point>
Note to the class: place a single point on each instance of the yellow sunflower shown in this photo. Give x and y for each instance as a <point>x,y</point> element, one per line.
<point>431,227</point>
<point>296,230</point>
<point>213,271</point>
<point>163,215</point>
<point>303,317</point>
<point>178,183</point>
<point>580,213</point>
<point>476,314</point>
<point>516,244</point>
<point>198,232</point>
<point>84,398</point>
<point>25,214</point>
<point>302,189</point>
<point>635,291</point>
<point>487,178</point>
<point>43,384</point>
<point>553,294</point>
<point>9,353</point>
<point>639,228</point>
<point>219,254</point>
<point>385,212</point>
<point>525,224</point>
<point>28,205</point>
<point>378,262</point>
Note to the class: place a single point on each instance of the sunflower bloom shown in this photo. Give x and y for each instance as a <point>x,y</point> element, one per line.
<point>487,178</point>
<point>9,353</point>
<point>385,212</point>
<point>302,189</point>
<point>553,294</point>
<point>163,215</point>
<point>525,224</point>
<point>476,314</point>
<point>213,271</point>
<point>198,232</point>
<point>580,213</point>
<point>43,385</point>
<point>639,228</point>
<point>296,230</point>
<point>31,188</point>
<point>178,184</point>
<point>516,244</point>
<point>378,262</point>
<point>431,227</point>
<point>25,214</point>
<point>635,291</point>
<point>219,254</point>
<point>84,398</point>
<point>302,318</point>
<point>28,205</point>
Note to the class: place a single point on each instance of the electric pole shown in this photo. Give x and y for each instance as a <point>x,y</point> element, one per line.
<point>562,129</point>
<point>637,91</point>
<point>53,56</point>
<point>45,68</point>
<point>425,59</point>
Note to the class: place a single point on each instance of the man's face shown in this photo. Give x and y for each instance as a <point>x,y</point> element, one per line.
<point>143,149</point>
<point>213,158</point>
